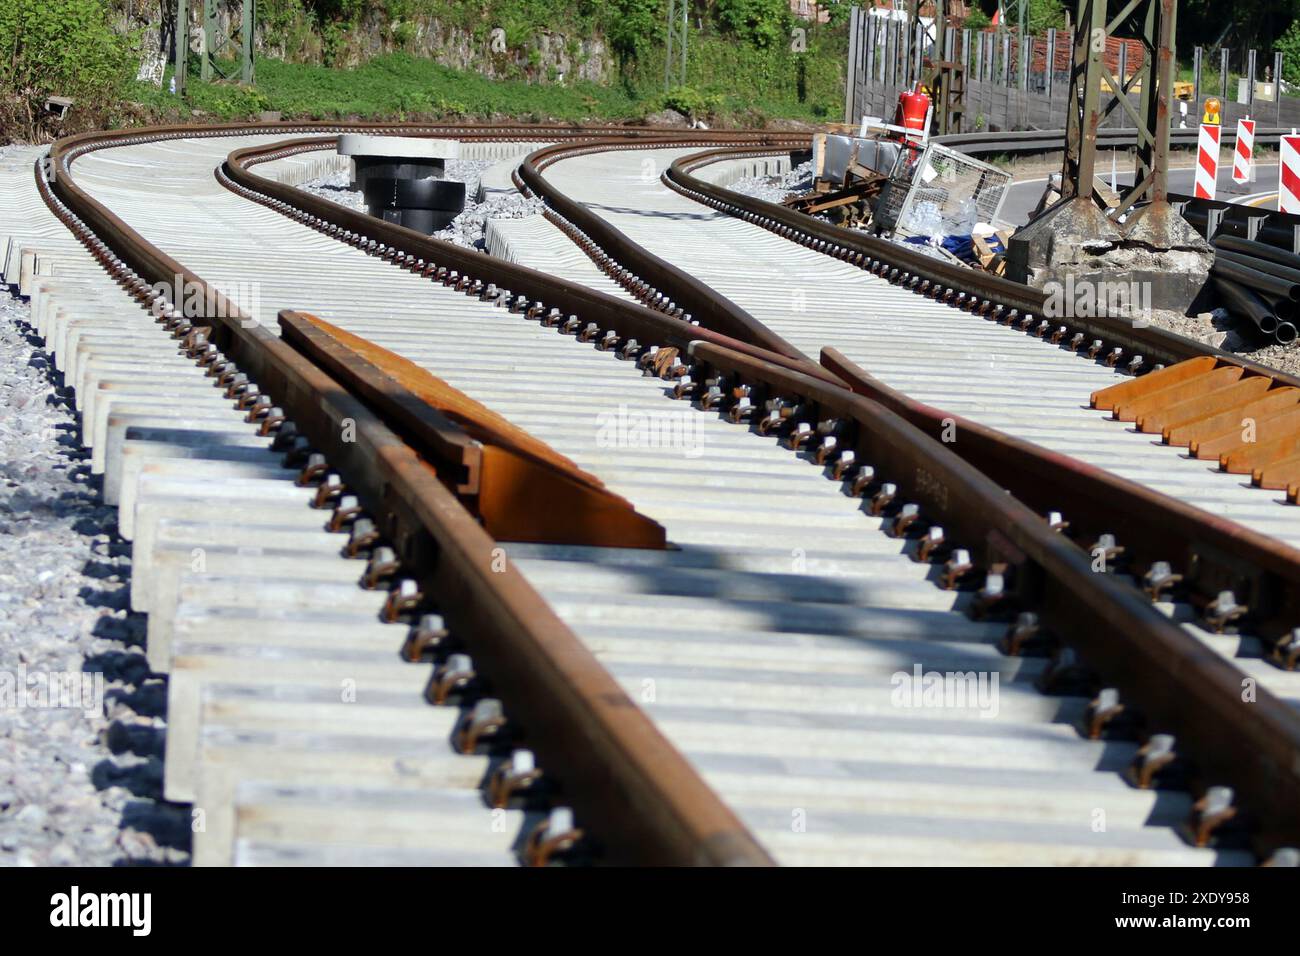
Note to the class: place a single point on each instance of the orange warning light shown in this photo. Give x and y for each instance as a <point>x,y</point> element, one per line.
<point>1212,110</point>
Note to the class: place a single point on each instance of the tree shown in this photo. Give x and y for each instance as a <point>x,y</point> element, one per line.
<point>764,23</point>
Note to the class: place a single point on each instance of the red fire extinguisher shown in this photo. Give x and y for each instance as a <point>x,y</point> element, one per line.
<point>913,111</point>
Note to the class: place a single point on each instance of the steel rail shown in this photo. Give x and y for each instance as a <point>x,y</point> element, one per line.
<point>630,322</point>
<point>1180,685</point>
<point>993,296</point>
<point>711,310</point>
<point>629,784</point>
<point>1043,570</point>
<point>1116,628</point>
<point>1210,553</point>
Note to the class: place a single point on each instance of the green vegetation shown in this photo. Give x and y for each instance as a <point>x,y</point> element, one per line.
<point>1289,46</point>
<point>395,85</point>
<point>565,60</point>
<point>57,48</point>
<point>743,68</point>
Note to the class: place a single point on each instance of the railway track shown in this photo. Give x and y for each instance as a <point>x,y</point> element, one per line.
<point>745,696</point>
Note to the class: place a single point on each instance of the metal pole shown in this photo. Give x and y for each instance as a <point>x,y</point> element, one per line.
<point>879,40</point>
<point>1158,97</point>
<point>246,74</point>
<point>1050,66</point>
<point>685,30</point>
<point>1080,168</point>
<point>1123,72</point>
<point>1020,39</point>
<point>851,82</point>
<point>1250,83</point>
<point>919,56</point>
<point>888,65</point>
<point>209,40</point>
<point>880,47</point>
<point>1196,77</point>
<point>1223,76</point>
<point>1277,86</point>
<point>182,43</point>
<point>901,55</point>
<point>668,56</point>
<point>675,55</point>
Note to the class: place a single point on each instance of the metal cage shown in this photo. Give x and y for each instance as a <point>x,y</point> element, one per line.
<point>944,179</point>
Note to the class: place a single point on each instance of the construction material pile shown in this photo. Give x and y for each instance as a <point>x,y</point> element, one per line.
<point>1258,283</point>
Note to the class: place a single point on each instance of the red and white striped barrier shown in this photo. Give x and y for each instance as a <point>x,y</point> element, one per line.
<point>1207,161</point>
<point>1288,190</point>
<point>1243,159</point>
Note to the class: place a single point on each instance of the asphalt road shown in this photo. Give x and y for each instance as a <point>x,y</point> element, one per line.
<point>1024,195</point>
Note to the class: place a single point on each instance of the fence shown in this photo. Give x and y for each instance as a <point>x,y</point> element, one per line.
<point>1023,83</point>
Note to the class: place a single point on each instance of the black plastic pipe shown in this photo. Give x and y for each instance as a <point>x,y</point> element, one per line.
<point>1258,250</point>
<point>1269,286</point>
<point>1245,303</point>
<point>1288,273</point>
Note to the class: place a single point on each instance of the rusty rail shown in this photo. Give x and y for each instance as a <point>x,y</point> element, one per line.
<point>627,783</point>
<point>516,287</point>
<point>710,309</point>
<point>1211,554</point>
<point>992,296</point>
<point>1181,686</point>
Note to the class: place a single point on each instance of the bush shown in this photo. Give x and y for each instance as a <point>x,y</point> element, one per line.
<point>58,48</point>
<point>691,102</point>
<point>764,23</point>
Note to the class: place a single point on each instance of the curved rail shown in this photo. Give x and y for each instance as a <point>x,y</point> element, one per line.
<point>646,803</point>
<point>1020,564</point>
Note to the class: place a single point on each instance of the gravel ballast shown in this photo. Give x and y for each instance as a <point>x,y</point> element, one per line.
<point>776,188</point>
<point>80,766</point>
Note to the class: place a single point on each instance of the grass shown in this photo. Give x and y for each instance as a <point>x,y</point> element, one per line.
<point>396,86</point>
<point>732,84</point>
